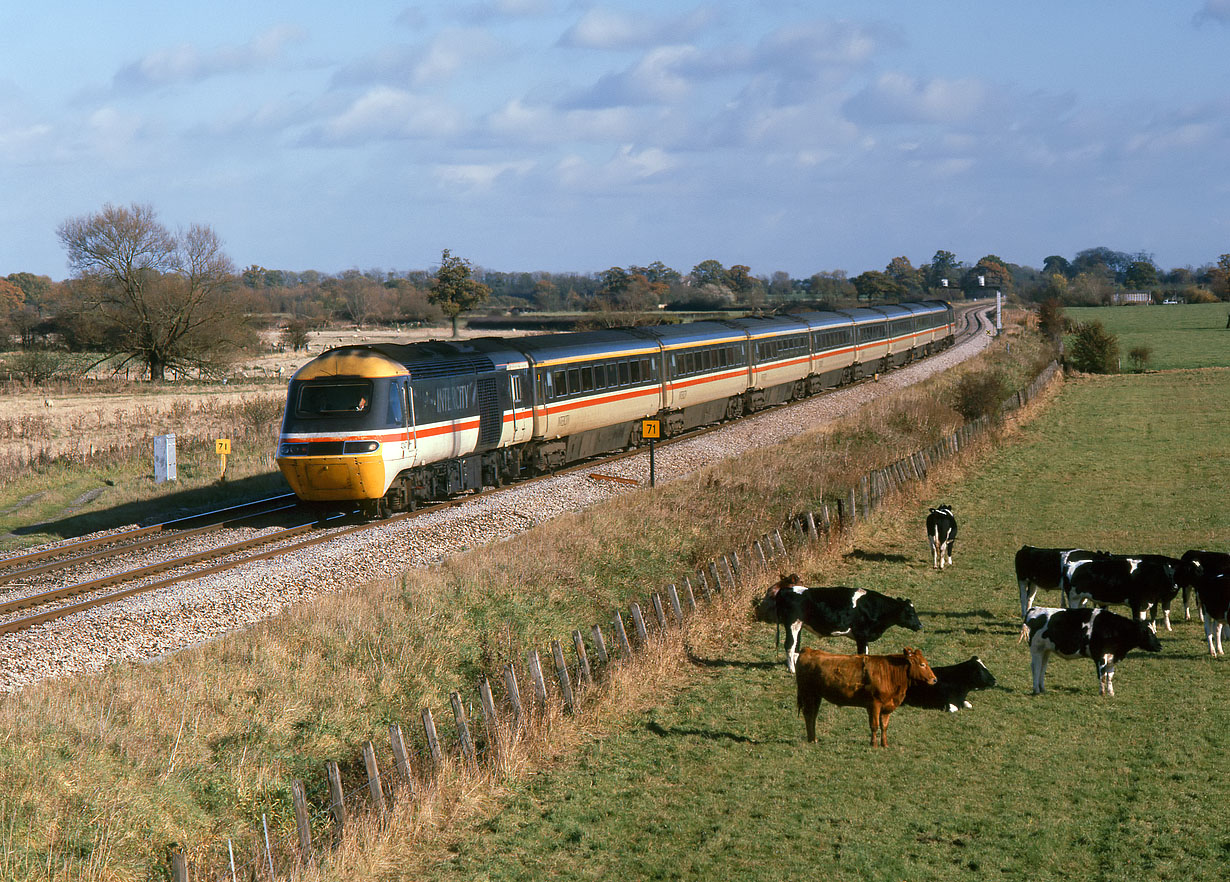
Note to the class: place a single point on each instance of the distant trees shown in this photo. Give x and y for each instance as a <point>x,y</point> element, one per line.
<point>150,295</point>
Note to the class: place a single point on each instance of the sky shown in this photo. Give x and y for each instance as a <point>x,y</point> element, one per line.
<point>551,135</point>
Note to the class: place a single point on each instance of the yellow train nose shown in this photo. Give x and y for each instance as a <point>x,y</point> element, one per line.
<point>334,478</point>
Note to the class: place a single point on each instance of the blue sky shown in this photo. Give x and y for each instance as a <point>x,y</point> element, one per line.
<point>566,136</point>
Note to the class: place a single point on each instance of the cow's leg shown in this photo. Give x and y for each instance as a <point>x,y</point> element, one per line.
<point>1212,633</point>
<point>1106,675</point>
<point>873,720</point>
<point>794,641</point>
<point>1187,603</point>
<point>1219,627</point>
<point>1038,660</point>
<point>948,549</point>
<point>935,551</point>
<point>1027,596</point>
<point>862,646</point>
<point>884,728</point>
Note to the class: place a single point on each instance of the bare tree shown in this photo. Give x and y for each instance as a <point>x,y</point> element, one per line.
<point>152,296</point>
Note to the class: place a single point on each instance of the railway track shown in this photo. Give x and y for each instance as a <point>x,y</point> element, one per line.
<point>60,601</point>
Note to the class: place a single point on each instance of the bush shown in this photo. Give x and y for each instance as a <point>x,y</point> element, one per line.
<point>1094,349</point>
<point>1140,356</point>
<point>979,394</point>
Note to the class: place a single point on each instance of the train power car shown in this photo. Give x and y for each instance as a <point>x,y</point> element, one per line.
<point>387,426</point>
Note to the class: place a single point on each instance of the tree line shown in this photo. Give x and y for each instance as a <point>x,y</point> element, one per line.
<point>172,302</point>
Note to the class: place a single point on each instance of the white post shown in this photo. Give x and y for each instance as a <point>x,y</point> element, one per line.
<point>999,299</point>
<point>164,459</point>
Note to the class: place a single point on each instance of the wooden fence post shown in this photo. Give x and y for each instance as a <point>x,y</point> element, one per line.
<point>759,549</point>
<point>778,546</point>
<point>179,864</point>
<point>540,685</point>
<point>433,741</point>
<point>689,596</point>
<point>625,648</point>
<point>514,694</point>
<point>600,645</point>
<point>463,729</point>
<point>676,608</point>
<point>561,672</point>
<point>373,777</point>
<point>730,573</point>
<point>401,758</point>
<point>638,621</point>
<point>337,805</point>
<point>716,577</point>
<point>491,721</point>
<point>659,612</point>
<point>583,673</point>
<point>299,800</point>
<point>812,532</point>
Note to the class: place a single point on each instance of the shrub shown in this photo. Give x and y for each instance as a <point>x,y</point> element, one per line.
<point>1094,349</point>
<point>979,393</point>
<point>1140,356</point>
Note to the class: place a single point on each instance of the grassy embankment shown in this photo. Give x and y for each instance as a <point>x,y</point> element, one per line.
<point>102,772</point>
<point>718,781</point>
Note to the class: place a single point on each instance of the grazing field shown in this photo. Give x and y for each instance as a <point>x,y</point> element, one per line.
<point>1179,335</point>
<point>718,782</point>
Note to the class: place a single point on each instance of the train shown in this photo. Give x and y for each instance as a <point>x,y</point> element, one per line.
<point>387,427</point>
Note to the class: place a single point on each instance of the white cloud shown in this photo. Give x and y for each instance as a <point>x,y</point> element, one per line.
<point>188,63</point>
<point>662,76</point>
<point>605,28</point>
<point>626,168</point>
<point>480,176</point>
<point>385,112</point>
<point>543,124</point>
<point>897,98</point>
<point>440,59</point>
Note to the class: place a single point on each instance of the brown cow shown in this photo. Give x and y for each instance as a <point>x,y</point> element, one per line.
<point>876,682</point>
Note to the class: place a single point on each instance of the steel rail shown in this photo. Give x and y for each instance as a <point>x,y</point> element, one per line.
<point>135,533</point>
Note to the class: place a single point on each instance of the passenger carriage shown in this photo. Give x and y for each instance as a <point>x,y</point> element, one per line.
<point>390,425</point>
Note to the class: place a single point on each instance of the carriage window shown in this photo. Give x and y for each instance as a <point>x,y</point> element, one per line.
<point>623,373</point>
<point>706,360</point>
<point>574,381</point>
<point>636,371</point>
<point>647,372</point>
<point>587,379</point>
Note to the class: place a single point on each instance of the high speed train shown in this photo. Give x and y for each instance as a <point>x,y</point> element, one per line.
<point>388,426</point>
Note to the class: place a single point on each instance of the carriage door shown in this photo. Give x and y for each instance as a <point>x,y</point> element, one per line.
<point>519,383</point>
<point>490,414</point>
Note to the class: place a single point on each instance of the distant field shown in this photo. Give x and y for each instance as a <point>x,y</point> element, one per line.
<point>719,783</point>
<point>1180,335</point>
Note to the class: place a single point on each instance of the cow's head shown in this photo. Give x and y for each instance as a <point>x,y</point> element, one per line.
<point>1188,572</point>
<point>765,609</point>
<point>907,617</point>
<point>1145,638</point>
<point>920,671</point>
<point>944,509</point>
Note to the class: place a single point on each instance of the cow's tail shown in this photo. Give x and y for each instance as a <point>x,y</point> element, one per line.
<point>777,636</point>
<point>1024,633</point>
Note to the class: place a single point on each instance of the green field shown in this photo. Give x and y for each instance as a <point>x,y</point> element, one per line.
<point>1180,335</point>
<point>718,781</point>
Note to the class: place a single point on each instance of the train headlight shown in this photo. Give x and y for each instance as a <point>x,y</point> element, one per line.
<point>360,446</point>
<point>293,450</point>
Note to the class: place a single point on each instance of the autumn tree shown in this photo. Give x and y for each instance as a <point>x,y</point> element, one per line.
<point>154,296</point>
<point>454,288</point>
<point>1094,349</point>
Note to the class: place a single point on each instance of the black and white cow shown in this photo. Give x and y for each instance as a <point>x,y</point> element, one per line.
<point>1144,582</point>
<point>857,613</point>
<point>1210,562</point>
<point>1213,590</point>
<point>942,534</point>
<point>1043,568</point>
<point>1098,634</point>
<point>953,684</point>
